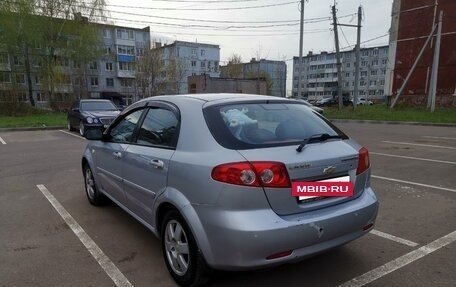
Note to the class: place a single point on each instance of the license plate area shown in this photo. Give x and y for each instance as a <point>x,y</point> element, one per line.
<point>339,190</point>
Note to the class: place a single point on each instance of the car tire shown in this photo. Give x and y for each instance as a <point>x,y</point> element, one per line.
<point>69,127</point>
<point>81,128</point>
<point>94,196</point>
<point>182,256</point>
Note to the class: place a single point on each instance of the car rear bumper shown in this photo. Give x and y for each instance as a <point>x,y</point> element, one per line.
<point>242,240</point>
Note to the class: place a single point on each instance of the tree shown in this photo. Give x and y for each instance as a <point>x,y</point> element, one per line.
<point>234,68</point>
<point>49,33</point>
<point>156,75</point>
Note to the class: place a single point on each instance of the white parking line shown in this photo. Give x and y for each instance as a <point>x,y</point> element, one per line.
<point>400,262</point>
<point>108,266</point>
<point>423,145</point>
<point>414,158</point>
<point>2,141</point>
<point>414,183</point>
<point>71,134</point>
<point>443,138</point>
<point>394,238</point>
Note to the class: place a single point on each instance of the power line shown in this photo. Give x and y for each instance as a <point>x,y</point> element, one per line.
<point>205,9</point>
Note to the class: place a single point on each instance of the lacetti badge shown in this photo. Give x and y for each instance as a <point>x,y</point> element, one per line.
<point>334,187</point>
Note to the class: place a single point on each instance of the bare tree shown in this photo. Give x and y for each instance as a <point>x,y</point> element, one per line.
<point>234,68</point>
<point>150,76</point>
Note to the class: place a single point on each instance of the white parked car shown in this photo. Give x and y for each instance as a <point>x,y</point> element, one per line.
<point>363,102</point>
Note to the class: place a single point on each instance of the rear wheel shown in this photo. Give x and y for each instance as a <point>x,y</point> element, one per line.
<point>93,195</point>
<point>69,127</point>
<point>184,261</point>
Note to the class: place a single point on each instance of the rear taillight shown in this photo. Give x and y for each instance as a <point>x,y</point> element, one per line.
<point>256,173</point>
<point>363,161</point>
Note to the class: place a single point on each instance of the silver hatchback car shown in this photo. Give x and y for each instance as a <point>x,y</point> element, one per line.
<point>212,175</point>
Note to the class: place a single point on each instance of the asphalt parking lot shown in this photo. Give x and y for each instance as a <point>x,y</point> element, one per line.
<point>51,236</point>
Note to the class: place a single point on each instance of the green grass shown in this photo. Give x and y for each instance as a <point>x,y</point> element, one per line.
<point>18,115</point>
<point>403,114</point>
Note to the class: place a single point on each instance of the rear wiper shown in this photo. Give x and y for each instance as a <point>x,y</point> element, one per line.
<point>315,138</point>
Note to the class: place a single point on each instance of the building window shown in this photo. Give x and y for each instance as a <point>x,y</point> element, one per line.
<point>106,33</point>
<point>22,96</point>
<point>108,66</point>
<point>375,52</point>
<point>382,82</point>
<point>4,59</point>
<point>363,73</point>
<point>374,62</point>
<point>193,51</point>
<point>203,64</point>
<point>20,78</point>
<point>373,83</point>
<point>18,61</point>
<point>5,77</point>
<point>40,97</point>
<point>38,80</point>
<point>347,65</point>
<point>203,52</point>
<point>126,66</point>
<point>371,92</point>
<point>127,83</point>
<point>364,63</point>
<point>93,65</point>
<point>193,63</point>
<point>126,50</point>
<point>362,83</point>
<point>139,51</point>
<point>380,92</point>
<point>110,82</point>
<point>374,73</point>
<point>347,75</point>
<point>94,81</point>
<point>365,53</point>
<point>383,72</point>
<point>384,61</point>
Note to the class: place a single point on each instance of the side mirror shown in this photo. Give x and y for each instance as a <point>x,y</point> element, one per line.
<point>93,134</point>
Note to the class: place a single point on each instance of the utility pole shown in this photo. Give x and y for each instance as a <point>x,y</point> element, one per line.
<point>357,63</point>
<point>339,73</point>
<point>301,36</point>
<point>435,64</point>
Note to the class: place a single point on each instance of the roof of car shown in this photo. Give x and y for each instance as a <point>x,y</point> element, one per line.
<point>94,100</point>
<point>217,97</point>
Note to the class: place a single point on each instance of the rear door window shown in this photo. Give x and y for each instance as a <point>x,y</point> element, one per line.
<point>266,124</point>
<point>159,128</point>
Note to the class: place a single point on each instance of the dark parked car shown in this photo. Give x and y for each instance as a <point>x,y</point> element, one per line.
<point>91,114</point>
<point>214,177</point>
<point>315,108</point>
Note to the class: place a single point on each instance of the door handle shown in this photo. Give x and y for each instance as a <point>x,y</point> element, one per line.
<point>157,163</point>
<point>117,154</point>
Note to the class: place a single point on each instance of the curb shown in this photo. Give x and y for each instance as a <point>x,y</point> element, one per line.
<point>392,122</point>
<point>32,129</point>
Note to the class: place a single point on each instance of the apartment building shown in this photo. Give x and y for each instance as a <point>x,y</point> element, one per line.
<point>110,76</point>
<point>319,74</point>
<point>274,71</point>
<point>193,59</point>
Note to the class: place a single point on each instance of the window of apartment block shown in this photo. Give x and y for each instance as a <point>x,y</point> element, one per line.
<point>18,60</point>
<point>106,33</point>
<point>193,63</point>
<point>383,72</point>
<point>22,96</point>
<point>193,51</point>
<point>374,73</point>
<point>4,59</point>
<point>94,81</point>
<point>364,63</point>
<point>347,65</point>
<point>362,83</point>
<point>365,53</point>
<point>203,64</point>
<point>126,83</point>
<point>126,66</point>
<point>374,63</point>
<point>373,83</point>
<point>363,73</point>
<point>380,92</point>
<point>93,65</point>
<point>40,97</point>
<point>126,50</point>
<point>5,77</point>
<point>384,61</point>
<point>382,82</point>
<point>108,66</point>
<point>139,51</point>
<point>347,56</point>
<point>347,75</point>
<point>371,92</point>
<point>20,78</point>
<point>38,80</point>
<point>375,52</point>
<point>320,67</point>
<point>362,92</point>
<point>203,52</point>
<point>131,34</point>
<point>110,82</point>
<point>347,84</point>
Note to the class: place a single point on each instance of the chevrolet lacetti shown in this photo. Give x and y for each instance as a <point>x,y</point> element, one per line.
<point>212,176</point>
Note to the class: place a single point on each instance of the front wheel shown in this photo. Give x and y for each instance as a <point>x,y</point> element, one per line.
<point>93,195</point>
<point>81,128</point>
<point>184,261</point>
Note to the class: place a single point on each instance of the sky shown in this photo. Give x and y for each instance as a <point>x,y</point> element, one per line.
<point>267,29</point>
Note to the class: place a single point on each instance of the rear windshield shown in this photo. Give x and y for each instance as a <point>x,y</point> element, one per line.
<point>265,124</point>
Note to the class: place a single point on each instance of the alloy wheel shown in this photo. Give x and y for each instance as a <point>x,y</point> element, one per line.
<point>177,247</point>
